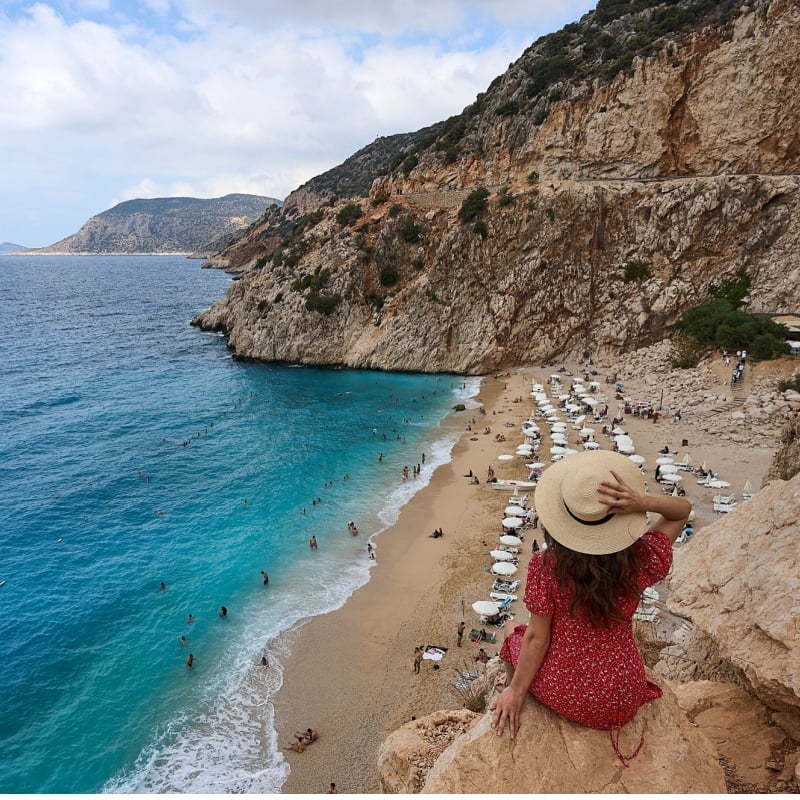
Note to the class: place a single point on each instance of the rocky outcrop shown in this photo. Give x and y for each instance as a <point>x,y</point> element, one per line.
<point>164,225</point>
<point>553,755</point>
<point>604,222</point>
<point>741,587</point>
<point>786,463</point>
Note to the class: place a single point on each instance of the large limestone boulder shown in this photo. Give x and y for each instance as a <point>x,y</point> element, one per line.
<point>552,754</point>
<point>739,583</point>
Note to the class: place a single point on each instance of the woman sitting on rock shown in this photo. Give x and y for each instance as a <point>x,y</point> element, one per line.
<point>577,655</point>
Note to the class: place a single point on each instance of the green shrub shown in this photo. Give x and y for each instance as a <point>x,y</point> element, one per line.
<point>410,231</point>
<point>540,116</point>
<point>533,176</point>
<point>505,199</point>
<point>637,270</point>
<point>548,70</point>
<point>261,263</point>
<point>451,155</point>
<point>481,229</point>
<point>409,163</point>
<point>792,384</point>
<point>395,209</point>
<point>349,214</point>
<point>322,304</point>
<point>278,297</point>
<point>507,109</point>
<point>389,276</point>
<point>474,205</point>
<point>418,262</point>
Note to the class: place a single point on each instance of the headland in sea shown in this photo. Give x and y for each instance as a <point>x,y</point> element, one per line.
<point>349,673</point>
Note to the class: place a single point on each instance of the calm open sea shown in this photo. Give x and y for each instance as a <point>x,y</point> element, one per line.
<point>135,450</point>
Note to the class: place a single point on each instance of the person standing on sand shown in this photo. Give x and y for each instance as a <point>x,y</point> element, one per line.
<point>417,658</point>
<point>460,632</point>
<point>577,656</point>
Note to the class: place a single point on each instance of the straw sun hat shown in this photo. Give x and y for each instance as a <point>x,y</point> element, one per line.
<point>568,506</point>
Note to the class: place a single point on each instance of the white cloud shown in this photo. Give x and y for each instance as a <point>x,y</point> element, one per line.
<point>206,97</point>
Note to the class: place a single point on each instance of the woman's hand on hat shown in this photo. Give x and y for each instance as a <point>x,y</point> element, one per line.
<point>619,497</point>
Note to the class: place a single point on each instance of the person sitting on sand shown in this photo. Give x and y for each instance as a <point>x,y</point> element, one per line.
<point>308,735</point>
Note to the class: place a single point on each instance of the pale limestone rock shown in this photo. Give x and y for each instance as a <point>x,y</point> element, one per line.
<point>737,724</point>
<point>552,754</point>
<point>741,586</point>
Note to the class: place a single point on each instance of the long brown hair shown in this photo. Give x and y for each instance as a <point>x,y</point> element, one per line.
<point>596,582</point>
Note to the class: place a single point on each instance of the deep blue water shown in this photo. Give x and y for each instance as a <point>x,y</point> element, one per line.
<point>135,450</point>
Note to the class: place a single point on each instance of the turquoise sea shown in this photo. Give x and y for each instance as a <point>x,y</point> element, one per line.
<point>134,450</point>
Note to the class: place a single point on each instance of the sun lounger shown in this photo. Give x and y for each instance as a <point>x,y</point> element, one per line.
<point>502,596</point>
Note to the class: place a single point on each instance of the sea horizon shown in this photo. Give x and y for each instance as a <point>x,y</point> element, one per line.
<point>139,451</point>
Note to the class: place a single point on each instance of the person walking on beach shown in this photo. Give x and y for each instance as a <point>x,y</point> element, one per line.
<point>577,656</point>
<point>417,658</point>
<point>460,632</point>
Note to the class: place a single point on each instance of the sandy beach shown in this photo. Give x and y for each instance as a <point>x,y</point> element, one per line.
<point>350,672</point>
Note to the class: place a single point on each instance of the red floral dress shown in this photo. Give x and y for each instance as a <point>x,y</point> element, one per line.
<point>593,676</point>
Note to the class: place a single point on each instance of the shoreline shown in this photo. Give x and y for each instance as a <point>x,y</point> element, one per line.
<point>349,672</point>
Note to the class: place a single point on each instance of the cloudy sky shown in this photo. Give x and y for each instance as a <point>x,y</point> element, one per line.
<point>107,100</point>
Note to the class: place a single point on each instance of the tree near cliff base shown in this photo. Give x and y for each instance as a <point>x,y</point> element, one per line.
<point>718,325</point>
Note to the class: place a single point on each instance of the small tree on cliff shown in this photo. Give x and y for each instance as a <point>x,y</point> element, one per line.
<point>474,205</point>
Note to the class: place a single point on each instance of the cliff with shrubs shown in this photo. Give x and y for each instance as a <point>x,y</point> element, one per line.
<point>584,202</point>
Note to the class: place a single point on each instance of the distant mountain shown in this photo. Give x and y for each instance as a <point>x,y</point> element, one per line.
<point>10,247</point>
<point>165,225</point>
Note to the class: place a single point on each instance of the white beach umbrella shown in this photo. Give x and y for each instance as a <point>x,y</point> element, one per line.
<point>717,484</point>
<point>673,477</point>
<point>535,465</point>
<point>501,555</point>
<point>589,401</point>
<point>557,450</point>
<point>505,457</point>
<point>503,568</point>
<point>637,459</point>
<point>559,426</point>
<point>485,607</point>
<point>514,511</point>
<point>667,469</point>
<point>664,460</point>
<point>511,541</point>
<point>568,451</point>
<point>619,431</point>
<point>591,446</point>
<point>580,419</point>
<point>513,522</point>
<point>524,448</point>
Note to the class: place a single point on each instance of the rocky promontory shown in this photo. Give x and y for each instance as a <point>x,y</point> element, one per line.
<point>164,225</point>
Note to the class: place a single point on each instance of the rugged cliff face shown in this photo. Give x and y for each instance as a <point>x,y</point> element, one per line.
<point>609,212</point>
